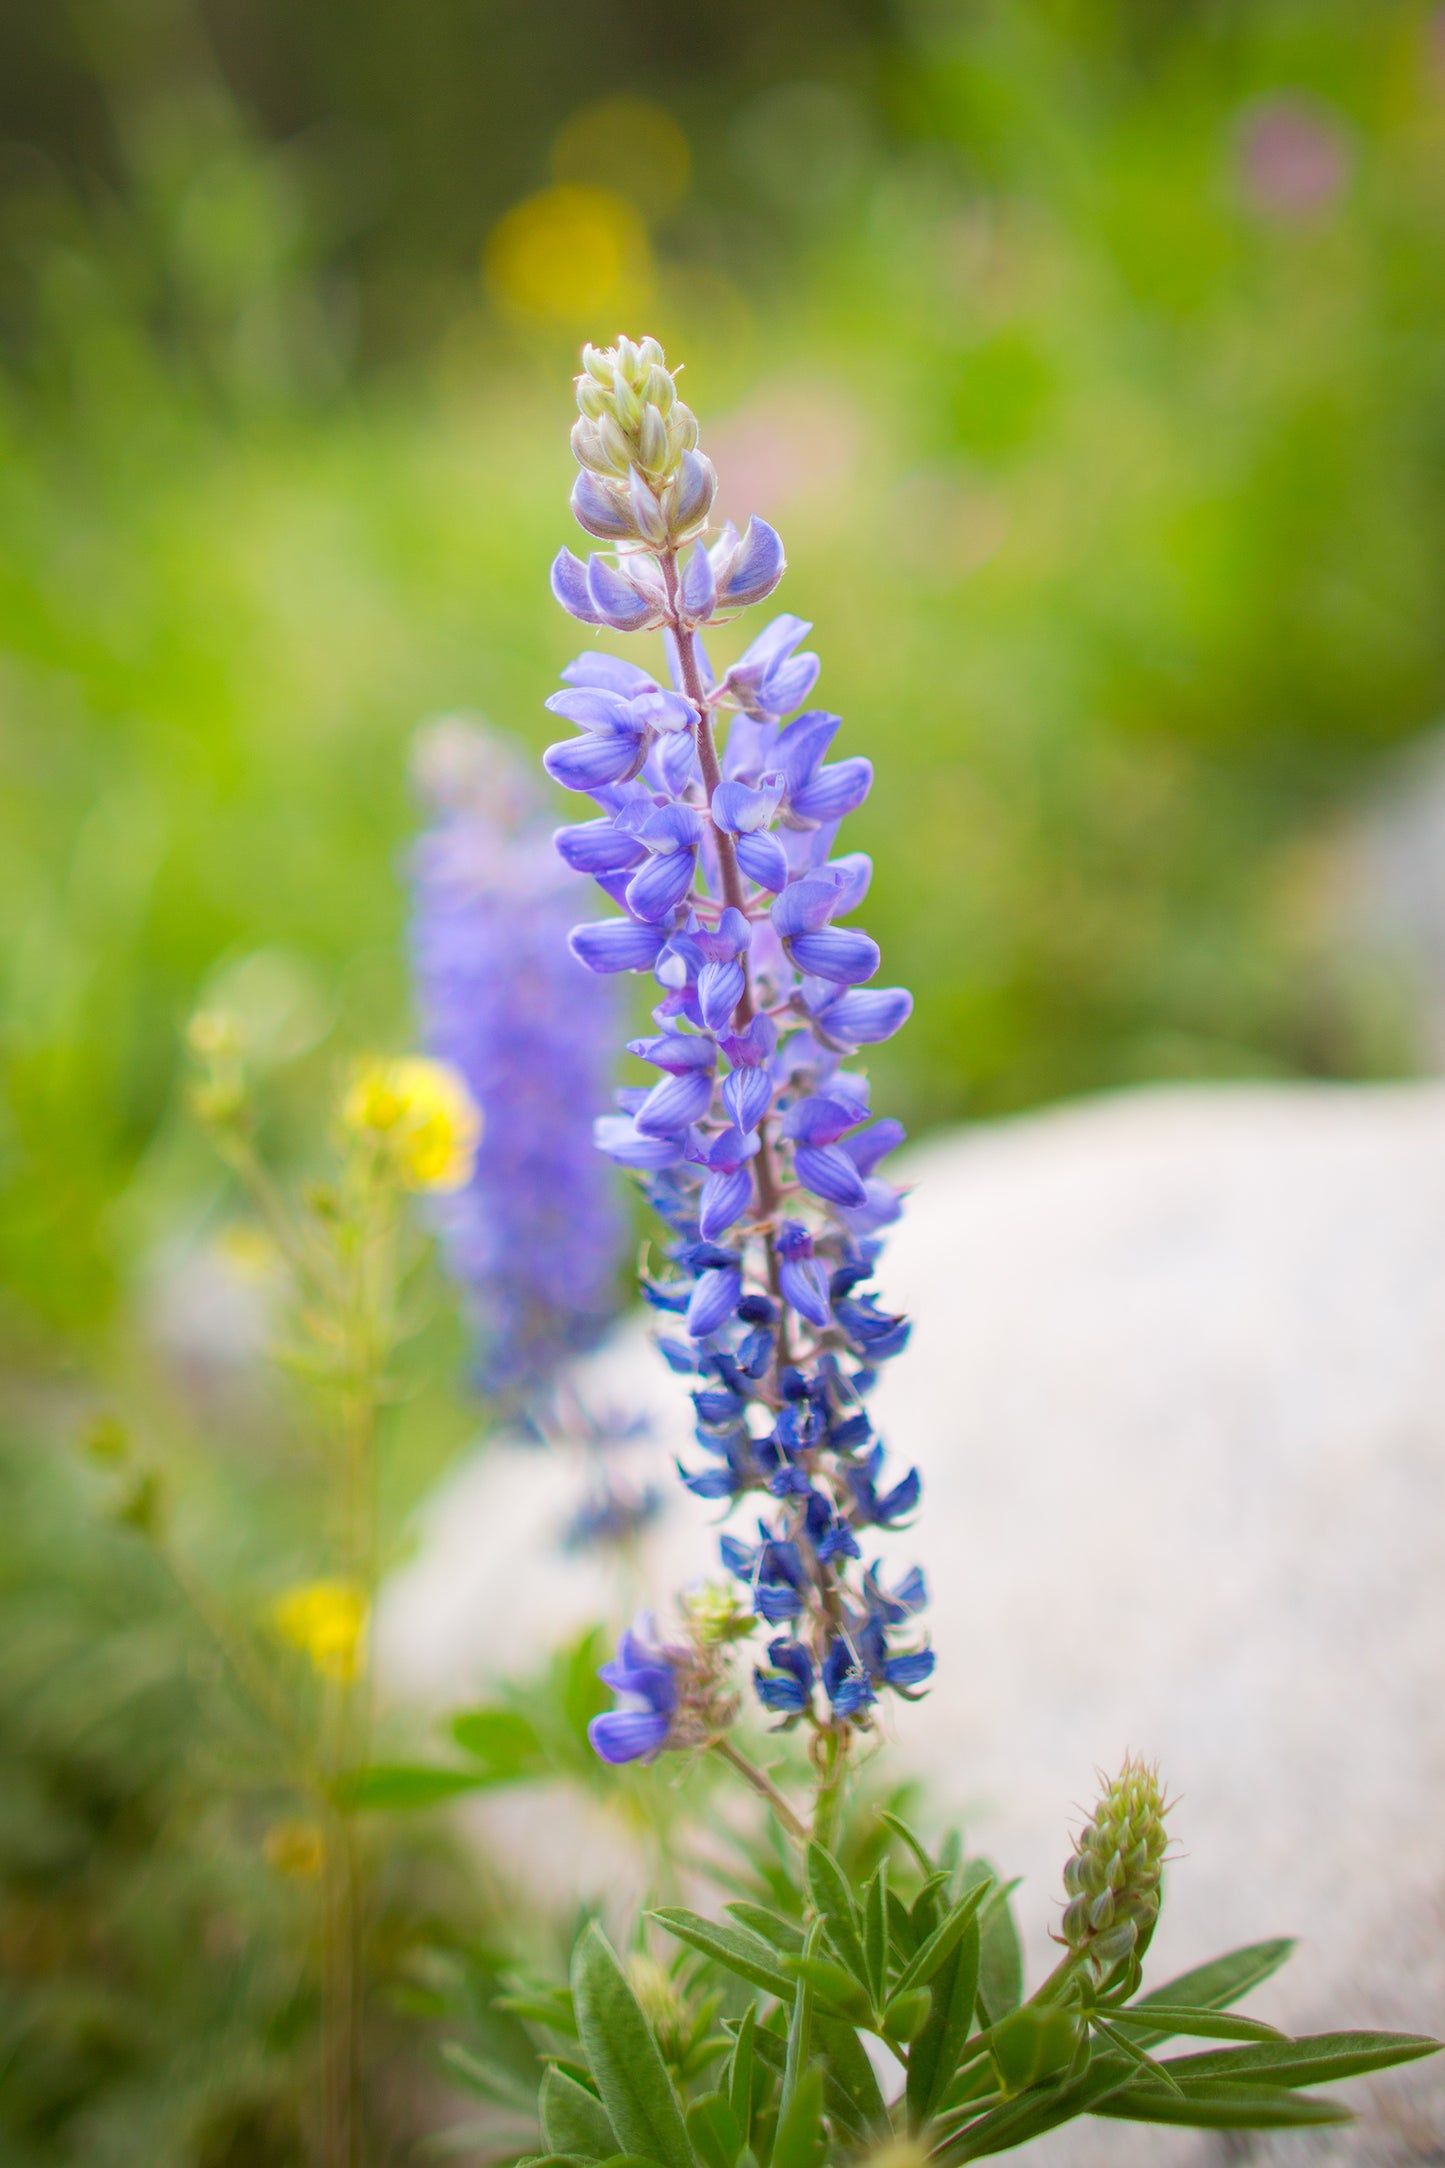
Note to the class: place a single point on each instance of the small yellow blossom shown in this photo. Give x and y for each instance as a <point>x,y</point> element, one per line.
<point>421,1113</point>
<point>295,1848</point>
<point>326,1620</point>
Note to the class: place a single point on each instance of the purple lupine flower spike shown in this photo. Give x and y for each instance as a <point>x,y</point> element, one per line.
<point>535,1237</point>
<point>718,805</point>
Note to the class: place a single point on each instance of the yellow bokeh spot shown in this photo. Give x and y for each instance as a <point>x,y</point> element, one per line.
<point>627,145</point>
<point>295,1848</point>
<point>326,1620</point>
<point>569,253</point>
<point>420,1113</point>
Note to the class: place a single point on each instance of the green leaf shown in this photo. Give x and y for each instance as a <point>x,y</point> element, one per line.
<point>740,2074</point>
<point>851,2092</point>
<point>746,1955</point>
<point>901,1829</point>
<point>714,2131</point>
<point>1221,2107</point>
<point>800,2047</point>
<point>1001,1960</point>
<point>1212,1986</point>
<point>502,1738</point>
<point>945,1937</point>
<point>1033,2045</point>
<point>875,1933</point>
<point>906,2015</point>
<point>574,2120</point>
<point>799,2142</point>
<point>550,2160</point>
<point>395,1787</point>
<point>492,2080</point>
<point>773,1928</point>
<point>834,1985</point>
<point>1043,2108</point>
<point>925,1911</point>
<point>933,2057</point>
<point>1164,2023</point>
<point>1314,2060</point>
<point>833,1901</point>
<point>900,1925</point>
<point>549,2006</point>
<point>630,2073</point>
<point>1135,2053</point>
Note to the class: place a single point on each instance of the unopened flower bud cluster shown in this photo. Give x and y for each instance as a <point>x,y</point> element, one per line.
<point>1114,1878</point>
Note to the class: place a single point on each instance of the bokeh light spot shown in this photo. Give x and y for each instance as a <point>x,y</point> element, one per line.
<point>569,253</point>
<point>628,145</point>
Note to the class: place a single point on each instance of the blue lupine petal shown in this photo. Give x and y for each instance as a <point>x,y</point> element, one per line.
<point>620,1138</point>
<point>725,1198</point>
<point>598,847</point>
<point>596,758</point>
<point>615,944</point>
<point>756,569</point>
<point>828,1172</point>
<point>596,508</point>
<point>657,888</point>
<point>804,907</point>
<point>805,1287</point>
<point>840,953</point>
<point>699,586</point>
<point>615,599</point>
<point>713,1300</point>
<point>866,1019</point>
<point>595,707</point>
<point>909,1670</point>
<point>801,746</point>
<point>613,671</point>
<point>569,585</point>
<point>674,1102</point>
<point>719,990</point>
<point>834,791</point>
<point>627,1735</point>
<point>763,859</point>
<point>742,808</point>
<point>747,1095</point>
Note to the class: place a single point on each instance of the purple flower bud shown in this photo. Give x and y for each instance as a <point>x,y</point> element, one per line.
<point>714,1299</point>
<point>863,1019</point>
<point>836,952</point>
<point>754,566</point>
<point>726,1195</point>
<point>834,791</point>
<point>829,1173</point>
<point>699,587</point>
<point>598,847</point>
<point>569,585</point>
<point>747,1095</point>
<point>646,512</point>
<point>620,1138</point>
<point>719,990</point>
<point>763,859</point>
<point>616,600</point>
<point>601,508</point>
<point>599,758</point>
<point>674,1103</point>
<point>657,888</point>
<point>691,495</point>
<point>615,944</point>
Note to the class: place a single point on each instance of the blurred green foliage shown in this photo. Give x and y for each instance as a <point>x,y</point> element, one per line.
<point>1089,355</point>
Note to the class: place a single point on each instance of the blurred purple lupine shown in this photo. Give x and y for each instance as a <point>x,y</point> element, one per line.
<point>535,1237</point>
<point>755,1143</point>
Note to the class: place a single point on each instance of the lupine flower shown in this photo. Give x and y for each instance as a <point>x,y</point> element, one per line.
<point>420,1115</point>
<point>534,1234</point>
<point>753,1141</point>
<point>673,1694</point>
<point>1114,1875</point>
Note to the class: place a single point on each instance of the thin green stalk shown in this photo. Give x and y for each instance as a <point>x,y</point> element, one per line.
<point>832,1770</point>
<point>763,1784</point>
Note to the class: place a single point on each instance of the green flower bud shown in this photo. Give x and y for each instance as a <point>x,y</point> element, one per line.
<point>1113,1879</point>
<point>632,419</point>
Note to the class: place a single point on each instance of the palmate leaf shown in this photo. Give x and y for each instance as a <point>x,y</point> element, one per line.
<point>626,2064</point>
<point>747,1955</point>
<point>1318,2059</point>
<point>1216,2106</point>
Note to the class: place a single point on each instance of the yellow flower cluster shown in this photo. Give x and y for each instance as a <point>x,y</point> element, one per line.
<point>326,1620</point>
<point>421,1115</point>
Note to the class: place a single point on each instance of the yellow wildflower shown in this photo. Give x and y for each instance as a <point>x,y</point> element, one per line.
<point>421,1113</point>
<point>326,1620</point>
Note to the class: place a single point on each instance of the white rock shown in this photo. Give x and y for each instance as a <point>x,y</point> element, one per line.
<point>1177,1391</point>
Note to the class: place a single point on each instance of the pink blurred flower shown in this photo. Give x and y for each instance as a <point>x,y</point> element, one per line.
<point>1294,157</point>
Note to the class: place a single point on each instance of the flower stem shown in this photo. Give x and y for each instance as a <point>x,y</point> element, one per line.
<point>832,1769</point>
<point>763,1784</point>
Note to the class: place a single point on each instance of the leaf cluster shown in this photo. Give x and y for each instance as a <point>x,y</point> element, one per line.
<point>774,2064</point>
